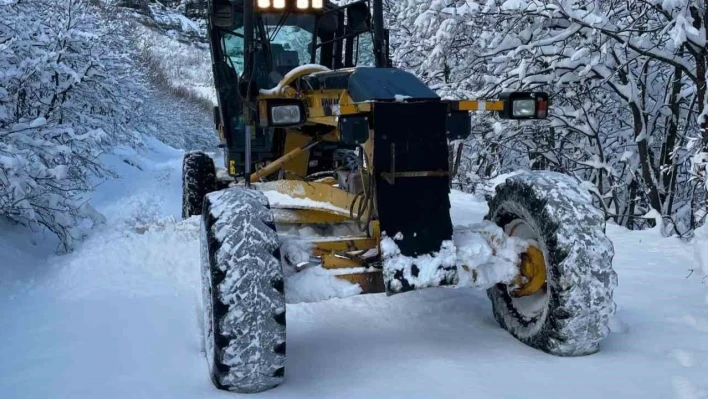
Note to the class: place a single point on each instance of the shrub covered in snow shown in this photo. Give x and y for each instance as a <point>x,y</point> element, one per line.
<point>65,95</point>
<point>69,91</point>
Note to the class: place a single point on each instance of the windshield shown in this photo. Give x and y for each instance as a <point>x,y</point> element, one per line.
<point>285,41</point>
<point>232,43</point>
<point>290,38</point>
<point>364,50</point>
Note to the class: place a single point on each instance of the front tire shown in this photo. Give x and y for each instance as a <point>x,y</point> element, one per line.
<point>570,316</point>
<point>198,180</point>
<point>243,292</point>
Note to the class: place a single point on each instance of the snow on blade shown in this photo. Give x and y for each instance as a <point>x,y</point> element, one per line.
<point>427,270</point>
<point>486,255</point>
<point>306,280</point>
<point>316,284</point>
<point>479,255</point>
<point>280,200</point>
<point>295,252</point>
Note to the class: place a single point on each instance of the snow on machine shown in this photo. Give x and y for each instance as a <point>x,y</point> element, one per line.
<point>319,131</point>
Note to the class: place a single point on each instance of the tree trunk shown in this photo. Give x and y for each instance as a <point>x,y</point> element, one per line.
<point>667,161</point>
<point>632,204</point>
<point>645,160</point>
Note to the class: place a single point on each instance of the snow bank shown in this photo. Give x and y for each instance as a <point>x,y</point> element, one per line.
<point>21,253</point>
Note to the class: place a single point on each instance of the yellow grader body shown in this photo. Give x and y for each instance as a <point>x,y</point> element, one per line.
<point>321,202</point>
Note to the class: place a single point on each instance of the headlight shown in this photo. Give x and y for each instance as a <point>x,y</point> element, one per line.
<point>285,114</point>
<point>281,112</point>
<point>301,5</point>
<point>524,105</point>
<point>524,108</point>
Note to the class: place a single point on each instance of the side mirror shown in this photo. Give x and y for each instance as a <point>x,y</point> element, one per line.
<point>222,14</point>
<point>524,105</point>
<point>359,17</point>
<point>217,117</point>
<point>281,112</point>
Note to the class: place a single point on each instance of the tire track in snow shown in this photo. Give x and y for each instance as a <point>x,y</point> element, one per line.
<point>683,357</point>
<point>699,323</point>
<point>683,387</point>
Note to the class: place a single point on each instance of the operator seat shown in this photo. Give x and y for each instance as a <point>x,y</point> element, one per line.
<point>284,61</point>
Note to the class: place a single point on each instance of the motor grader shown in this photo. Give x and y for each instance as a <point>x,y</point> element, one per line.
<point>317,129</point>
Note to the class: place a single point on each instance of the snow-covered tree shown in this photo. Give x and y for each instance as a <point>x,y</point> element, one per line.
<point>627,80</point>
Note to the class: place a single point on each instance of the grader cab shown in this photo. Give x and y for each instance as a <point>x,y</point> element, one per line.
<point>319,130</point>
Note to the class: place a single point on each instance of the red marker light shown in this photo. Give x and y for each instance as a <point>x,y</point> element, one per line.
<point>541,108</point>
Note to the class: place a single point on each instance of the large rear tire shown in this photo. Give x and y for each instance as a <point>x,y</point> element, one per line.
<point>198,180</point>
<point>243,292</point>
<point>570,315</point>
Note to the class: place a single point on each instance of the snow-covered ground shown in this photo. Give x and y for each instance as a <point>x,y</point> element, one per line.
<point>119,318</point>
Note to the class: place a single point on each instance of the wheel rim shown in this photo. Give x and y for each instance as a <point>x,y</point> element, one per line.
<point>530,297</point>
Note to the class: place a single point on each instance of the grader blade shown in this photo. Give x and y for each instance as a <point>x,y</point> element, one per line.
<point>345,254</point>
<point>412,182</point>
<point>370,282</point>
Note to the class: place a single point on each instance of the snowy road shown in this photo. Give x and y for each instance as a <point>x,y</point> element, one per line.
<point>118,319</point>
